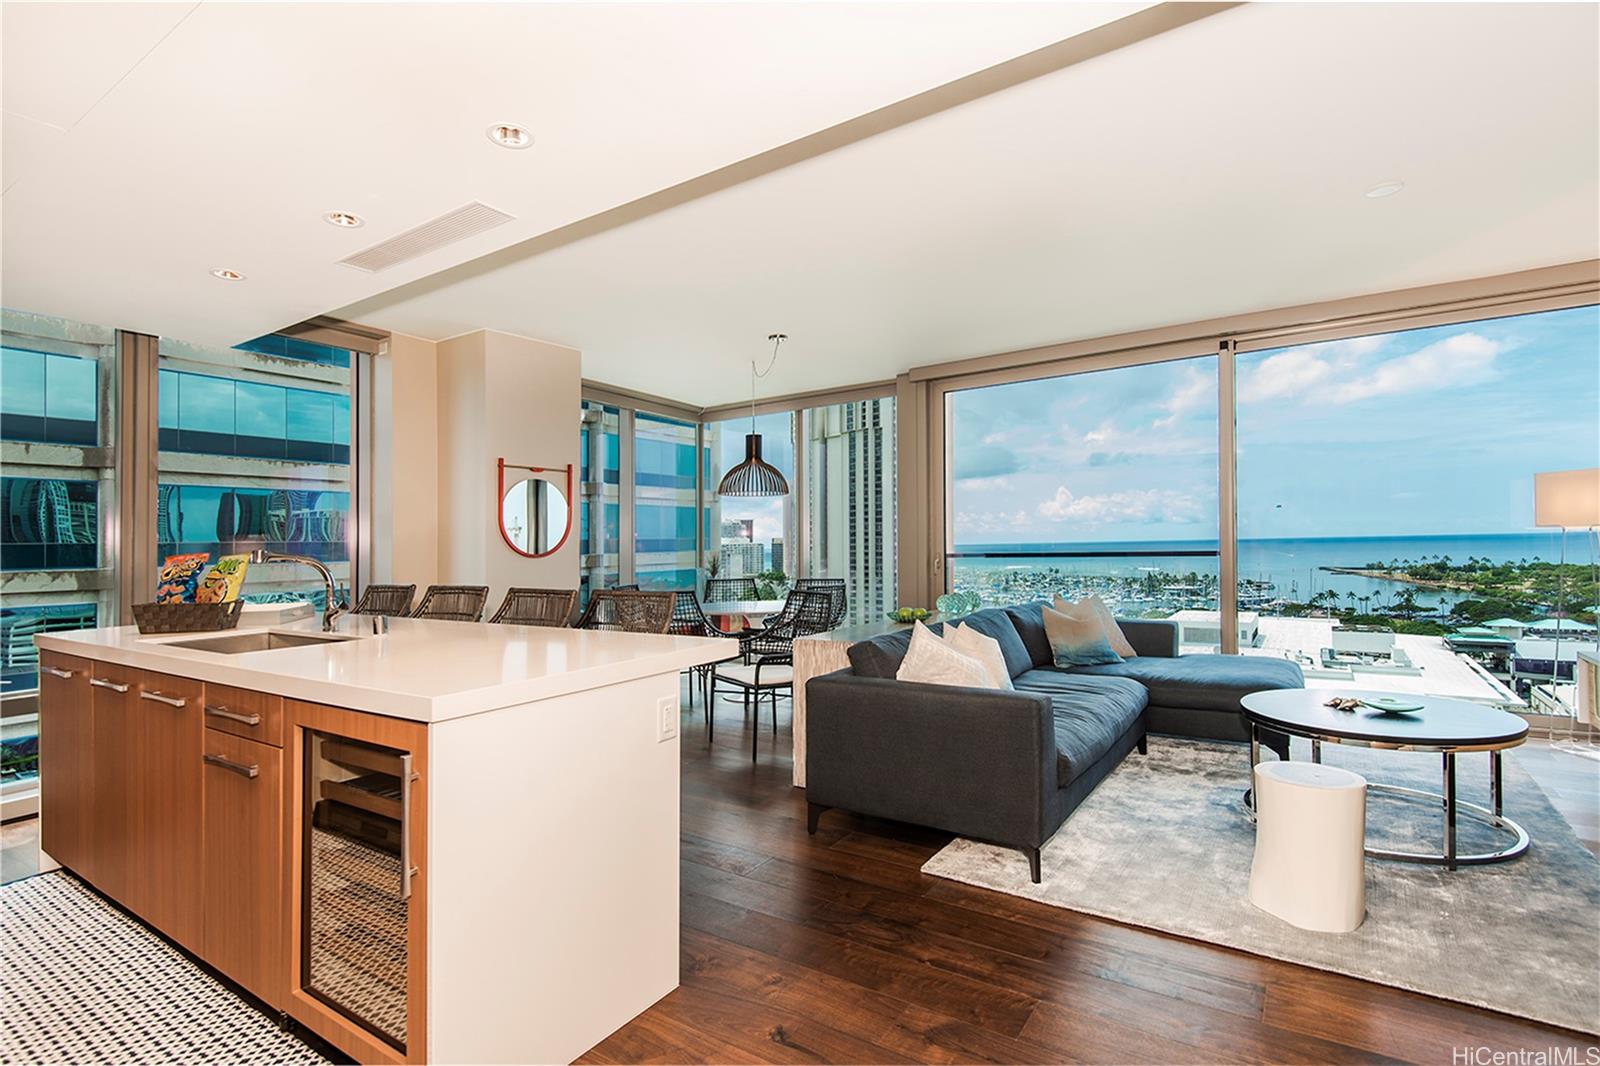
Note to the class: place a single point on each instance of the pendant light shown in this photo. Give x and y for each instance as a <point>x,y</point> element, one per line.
<point>755,476</point>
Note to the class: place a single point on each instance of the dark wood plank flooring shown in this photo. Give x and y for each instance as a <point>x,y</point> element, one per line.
<point>836,948</point>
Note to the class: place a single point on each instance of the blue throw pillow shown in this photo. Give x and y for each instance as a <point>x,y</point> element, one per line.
<point>1077,641</point>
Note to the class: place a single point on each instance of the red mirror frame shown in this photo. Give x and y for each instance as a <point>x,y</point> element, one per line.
<point>501,466</point>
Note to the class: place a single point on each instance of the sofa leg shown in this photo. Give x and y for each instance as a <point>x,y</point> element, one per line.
<point>1033,863</point>
<point>1144,745</point>
<point>813,812</point>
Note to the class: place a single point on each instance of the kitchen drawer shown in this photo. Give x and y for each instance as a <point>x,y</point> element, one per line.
<point>253,715</point>
<point>242,882</point>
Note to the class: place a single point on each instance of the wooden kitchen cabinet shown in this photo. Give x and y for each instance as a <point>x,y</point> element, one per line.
<point>166,757</point>
<point>114,696</point>
<point>243,893</point>
<point>66,733</point>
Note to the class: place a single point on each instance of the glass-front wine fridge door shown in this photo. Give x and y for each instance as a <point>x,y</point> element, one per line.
<point>357,893</point>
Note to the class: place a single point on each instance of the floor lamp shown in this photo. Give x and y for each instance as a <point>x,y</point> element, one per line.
<point>1568,499</point>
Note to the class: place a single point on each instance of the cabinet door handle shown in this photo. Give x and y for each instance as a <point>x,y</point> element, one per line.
<point>242,769</point>
<point>407,871</point>
<point>112,685</point>
<point>233,716</point>
<point>56,671</point>
<point>159,697</point>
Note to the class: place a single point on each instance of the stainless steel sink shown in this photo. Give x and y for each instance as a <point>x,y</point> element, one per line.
<point>258,640</point>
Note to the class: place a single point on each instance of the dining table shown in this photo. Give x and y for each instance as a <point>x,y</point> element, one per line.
<point>732,616</point>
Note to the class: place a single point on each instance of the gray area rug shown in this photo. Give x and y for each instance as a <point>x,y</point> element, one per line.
<point>1163,843</point>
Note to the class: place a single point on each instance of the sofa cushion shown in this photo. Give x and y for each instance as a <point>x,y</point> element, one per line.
<point>1202,682</point>
<point>1077,639</point>
<point>1093,606</point>
<point>930,660</point>
<point>1028,619</point>
<point>980,646</point>
<point>1090,714</point>
<point>996,623</point>
<point>881,656</point>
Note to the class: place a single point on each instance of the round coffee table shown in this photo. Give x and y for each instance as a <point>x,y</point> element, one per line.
<point>1445,726</point>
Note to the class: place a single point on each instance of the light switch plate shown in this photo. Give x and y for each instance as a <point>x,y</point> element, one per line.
<point>667,718</point>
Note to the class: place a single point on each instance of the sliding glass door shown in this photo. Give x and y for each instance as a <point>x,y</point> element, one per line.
<point>1103,481</point>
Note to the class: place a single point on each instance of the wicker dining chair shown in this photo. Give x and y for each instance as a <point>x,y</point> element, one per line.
<point>834,587</point>
<point>689,620</point>
<point>730,589</point>
<point>453,603</point>
<point>536,607</point>
<point>391,600</point>
<point>627,611</point>
<point>768,669</point>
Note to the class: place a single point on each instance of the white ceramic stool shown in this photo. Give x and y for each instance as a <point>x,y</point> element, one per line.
<point>1311,825</point>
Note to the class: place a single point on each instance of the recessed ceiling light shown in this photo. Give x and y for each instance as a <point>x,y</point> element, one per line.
<point>343,218</point>
<point>227,275</point>
<point>1384,188</point>
<point>509,135</point>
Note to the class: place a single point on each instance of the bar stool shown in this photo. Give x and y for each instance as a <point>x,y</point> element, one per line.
<point>1311,826</point>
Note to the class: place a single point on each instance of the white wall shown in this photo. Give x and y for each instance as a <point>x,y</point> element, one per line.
<point>405,463</point>
<point>501,395</point>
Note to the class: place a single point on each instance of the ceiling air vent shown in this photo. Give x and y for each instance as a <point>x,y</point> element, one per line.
<point>463,222</point>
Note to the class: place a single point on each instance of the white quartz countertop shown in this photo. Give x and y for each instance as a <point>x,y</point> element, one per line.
<point>424,670</point>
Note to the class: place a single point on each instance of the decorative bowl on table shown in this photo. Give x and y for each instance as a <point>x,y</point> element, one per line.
<point>1391,704</point>
<point>909,614</point>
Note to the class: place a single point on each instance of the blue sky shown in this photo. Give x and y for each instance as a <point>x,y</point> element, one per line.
<point>1426,431</point>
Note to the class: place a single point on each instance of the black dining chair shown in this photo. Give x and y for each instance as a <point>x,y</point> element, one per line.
<point>393,601</point>
<point>769,668</point>
<point>536,607</point>
<point>730,589</point>
<point>834,587</point>
<point>453,603</point>
<point>689,620</point>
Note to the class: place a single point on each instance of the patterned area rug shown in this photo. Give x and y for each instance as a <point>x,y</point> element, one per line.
<point>1163,843</point>
<point>82,982</point>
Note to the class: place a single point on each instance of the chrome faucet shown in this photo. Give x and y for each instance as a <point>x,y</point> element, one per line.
<point>335,607</point>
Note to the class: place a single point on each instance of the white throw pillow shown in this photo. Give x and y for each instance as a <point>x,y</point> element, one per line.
<point>930,661</point>
<point>1092,606</point>
<point>985,649</point>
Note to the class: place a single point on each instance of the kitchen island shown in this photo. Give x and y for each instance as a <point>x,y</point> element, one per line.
<point>446,841</point>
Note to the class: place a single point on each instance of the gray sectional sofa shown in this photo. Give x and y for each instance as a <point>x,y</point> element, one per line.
<point>1009,767</point>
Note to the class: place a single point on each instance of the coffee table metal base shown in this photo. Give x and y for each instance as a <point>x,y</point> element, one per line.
<point>1454,807</point>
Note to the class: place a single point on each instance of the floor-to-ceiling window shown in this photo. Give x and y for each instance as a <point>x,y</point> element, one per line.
<point>665,502</point>
<point>255,452</point>
<point>599,479</point>
<point>1385,502</point>
<point>849,476</point>
<point>57,421</point>
<point>1103,481</point>
<point>752,536</point>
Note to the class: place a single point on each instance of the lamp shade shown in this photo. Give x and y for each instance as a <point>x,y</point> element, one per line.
<point>1567,498</point>
<point>754,476</point>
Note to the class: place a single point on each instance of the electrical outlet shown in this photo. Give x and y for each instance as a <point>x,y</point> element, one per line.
<point>667,718</point>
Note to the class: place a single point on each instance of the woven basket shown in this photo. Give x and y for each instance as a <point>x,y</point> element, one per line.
<point>186,617</point>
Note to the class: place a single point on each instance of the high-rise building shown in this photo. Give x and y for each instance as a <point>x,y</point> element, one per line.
<point>739,558</point>
<point>738,529</point>
<point>776,562</point>
<point>850,500</point>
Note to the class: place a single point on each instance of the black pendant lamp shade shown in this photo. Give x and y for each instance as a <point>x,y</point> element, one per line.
<point>754,476</point>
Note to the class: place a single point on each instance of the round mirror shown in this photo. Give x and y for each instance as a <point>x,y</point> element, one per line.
<point>534,516</point>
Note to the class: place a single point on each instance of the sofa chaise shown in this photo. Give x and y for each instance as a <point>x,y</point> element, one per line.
<point>1009,766</point>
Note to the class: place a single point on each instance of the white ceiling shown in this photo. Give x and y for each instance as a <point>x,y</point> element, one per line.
<point>1215,169</point>
<point>146,144</point>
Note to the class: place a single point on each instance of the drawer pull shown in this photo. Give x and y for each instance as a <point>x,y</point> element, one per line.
<point>56,671</point>
<point>112,685</point>
<point>233,716</point>
<point>242,769</point>
<point>159,697</point>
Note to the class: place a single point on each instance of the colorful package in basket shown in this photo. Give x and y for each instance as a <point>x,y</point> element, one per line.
<point>222,581</point>
<point>180,577</point>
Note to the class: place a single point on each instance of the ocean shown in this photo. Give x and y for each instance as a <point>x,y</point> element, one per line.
<point>1293,567</point>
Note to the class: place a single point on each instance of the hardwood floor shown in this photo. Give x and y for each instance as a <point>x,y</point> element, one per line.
<point>836,948</point>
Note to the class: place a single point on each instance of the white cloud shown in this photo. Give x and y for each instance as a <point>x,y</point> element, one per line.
<point>1335,372</point>
<point>1197,392</point>
<point>991,521</point>
<point>1134,505</point>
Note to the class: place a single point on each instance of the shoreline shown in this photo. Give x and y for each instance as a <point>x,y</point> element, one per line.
<point>1395,575</point>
